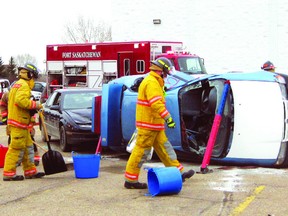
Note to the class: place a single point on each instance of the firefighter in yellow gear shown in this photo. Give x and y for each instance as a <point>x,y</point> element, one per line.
<point>151,115</point>
<point>4,115</point>
<point>19,124</point>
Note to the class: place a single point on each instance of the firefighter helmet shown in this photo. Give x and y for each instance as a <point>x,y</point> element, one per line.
<point>32,69</point>
<point>268,66</point>
<point>163,63</point>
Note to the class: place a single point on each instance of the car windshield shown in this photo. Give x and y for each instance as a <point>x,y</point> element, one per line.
<point>79,100</point>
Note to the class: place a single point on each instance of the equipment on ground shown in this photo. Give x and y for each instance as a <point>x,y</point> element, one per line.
<point>52,161</point>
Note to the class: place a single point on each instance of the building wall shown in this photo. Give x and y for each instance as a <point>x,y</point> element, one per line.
<point>229,35</point>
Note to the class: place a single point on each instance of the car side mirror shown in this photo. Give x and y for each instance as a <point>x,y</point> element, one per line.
<point>55,107</point>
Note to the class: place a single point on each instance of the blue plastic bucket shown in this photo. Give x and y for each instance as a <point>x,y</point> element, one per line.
<point>86,165</point>
<point>164,181</point>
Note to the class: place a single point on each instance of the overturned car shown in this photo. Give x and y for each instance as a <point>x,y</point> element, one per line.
<point>253,128</point>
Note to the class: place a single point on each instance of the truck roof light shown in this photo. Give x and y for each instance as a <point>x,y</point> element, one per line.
<point>136,45</point>
<point>170,52</point>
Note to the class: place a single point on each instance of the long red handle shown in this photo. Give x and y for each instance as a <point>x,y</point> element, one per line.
<point>215,128</point>
<point>98,149</point>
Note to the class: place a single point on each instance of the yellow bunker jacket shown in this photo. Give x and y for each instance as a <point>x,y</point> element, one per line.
<point>20,104</point>
<point>150,109</point>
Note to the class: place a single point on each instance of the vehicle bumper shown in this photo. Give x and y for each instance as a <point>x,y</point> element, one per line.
<point>75,138</point>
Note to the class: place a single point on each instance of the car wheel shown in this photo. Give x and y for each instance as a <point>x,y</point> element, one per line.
<point>63,140</point>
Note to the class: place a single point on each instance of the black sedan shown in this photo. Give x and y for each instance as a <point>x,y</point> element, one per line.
<point>68,117</point>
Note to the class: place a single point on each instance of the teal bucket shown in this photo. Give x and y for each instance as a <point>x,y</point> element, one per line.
<point>86,165</point>
<point>164,181</point>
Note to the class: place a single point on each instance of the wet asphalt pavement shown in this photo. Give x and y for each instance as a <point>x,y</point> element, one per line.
<point>228,190</point>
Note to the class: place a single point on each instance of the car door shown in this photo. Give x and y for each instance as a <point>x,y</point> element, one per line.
<point>55,115</point>
<point>52,115</point>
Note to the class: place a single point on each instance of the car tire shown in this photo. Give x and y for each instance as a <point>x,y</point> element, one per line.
<point>63,140</point>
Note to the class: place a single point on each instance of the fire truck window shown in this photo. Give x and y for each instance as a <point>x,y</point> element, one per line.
<point>127,67</point>
<point>140,66</point>
<point>190,65</point>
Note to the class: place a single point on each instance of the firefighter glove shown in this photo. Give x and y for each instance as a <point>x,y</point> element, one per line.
<point>33,119</point>
<point>170,123</point>
<point>4,120</point>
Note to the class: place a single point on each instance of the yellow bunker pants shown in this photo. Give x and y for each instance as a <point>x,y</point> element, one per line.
<point>20,151</point>
<point>145,140</point>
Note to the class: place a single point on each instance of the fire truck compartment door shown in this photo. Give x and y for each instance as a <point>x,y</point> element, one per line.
<point>111,115</point>
<point>125,63</point>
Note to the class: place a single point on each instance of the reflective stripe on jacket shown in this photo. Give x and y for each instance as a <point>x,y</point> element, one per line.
<point>150,109</point>
<point>20,104</point>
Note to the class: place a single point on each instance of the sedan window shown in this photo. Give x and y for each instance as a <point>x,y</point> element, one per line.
<point>38,87</point>
<point>79,100</point>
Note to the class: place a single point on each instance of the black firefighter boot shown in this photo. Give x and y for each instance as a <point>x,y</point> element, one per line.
<point>187,175</point>
<point>135,185</point>
<point>15,178</point>
<point>37,175</point>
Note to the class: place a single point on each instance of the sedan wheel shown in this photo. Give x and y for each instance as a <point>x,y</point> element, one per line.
<point>63,140</point>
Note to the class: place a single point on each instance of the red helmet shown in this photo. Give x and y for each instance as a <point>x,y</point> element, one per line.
<point>268,66</point>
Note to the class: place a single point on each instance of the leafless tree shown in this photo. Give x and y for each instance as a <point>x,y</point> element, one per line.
<point>20,60</point>
<point>86,31</point>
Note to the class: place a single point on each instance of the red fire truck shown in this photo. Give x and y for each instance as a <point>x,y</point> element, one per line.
<point>91,64</point>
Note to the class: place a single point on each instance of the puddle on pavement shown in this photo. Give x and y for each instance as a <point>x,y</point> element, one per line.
<point>255,169</point>
<point>230,182</point>
<point>234,167</point>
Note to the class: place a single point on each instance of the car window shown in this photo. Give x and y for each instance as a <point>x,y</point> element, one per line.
<point>81,100</point>
<point>4,85</point>
<point>53,99</point>
<point>38,86</point>
<point>57,100</point>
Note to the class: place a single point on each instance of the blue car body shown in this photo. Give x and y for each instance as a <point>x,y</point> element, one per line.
<point>253,129</point>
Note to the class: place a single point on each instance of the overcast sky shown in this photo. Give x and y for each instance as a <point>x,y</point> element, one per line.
<point>28,26</point>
